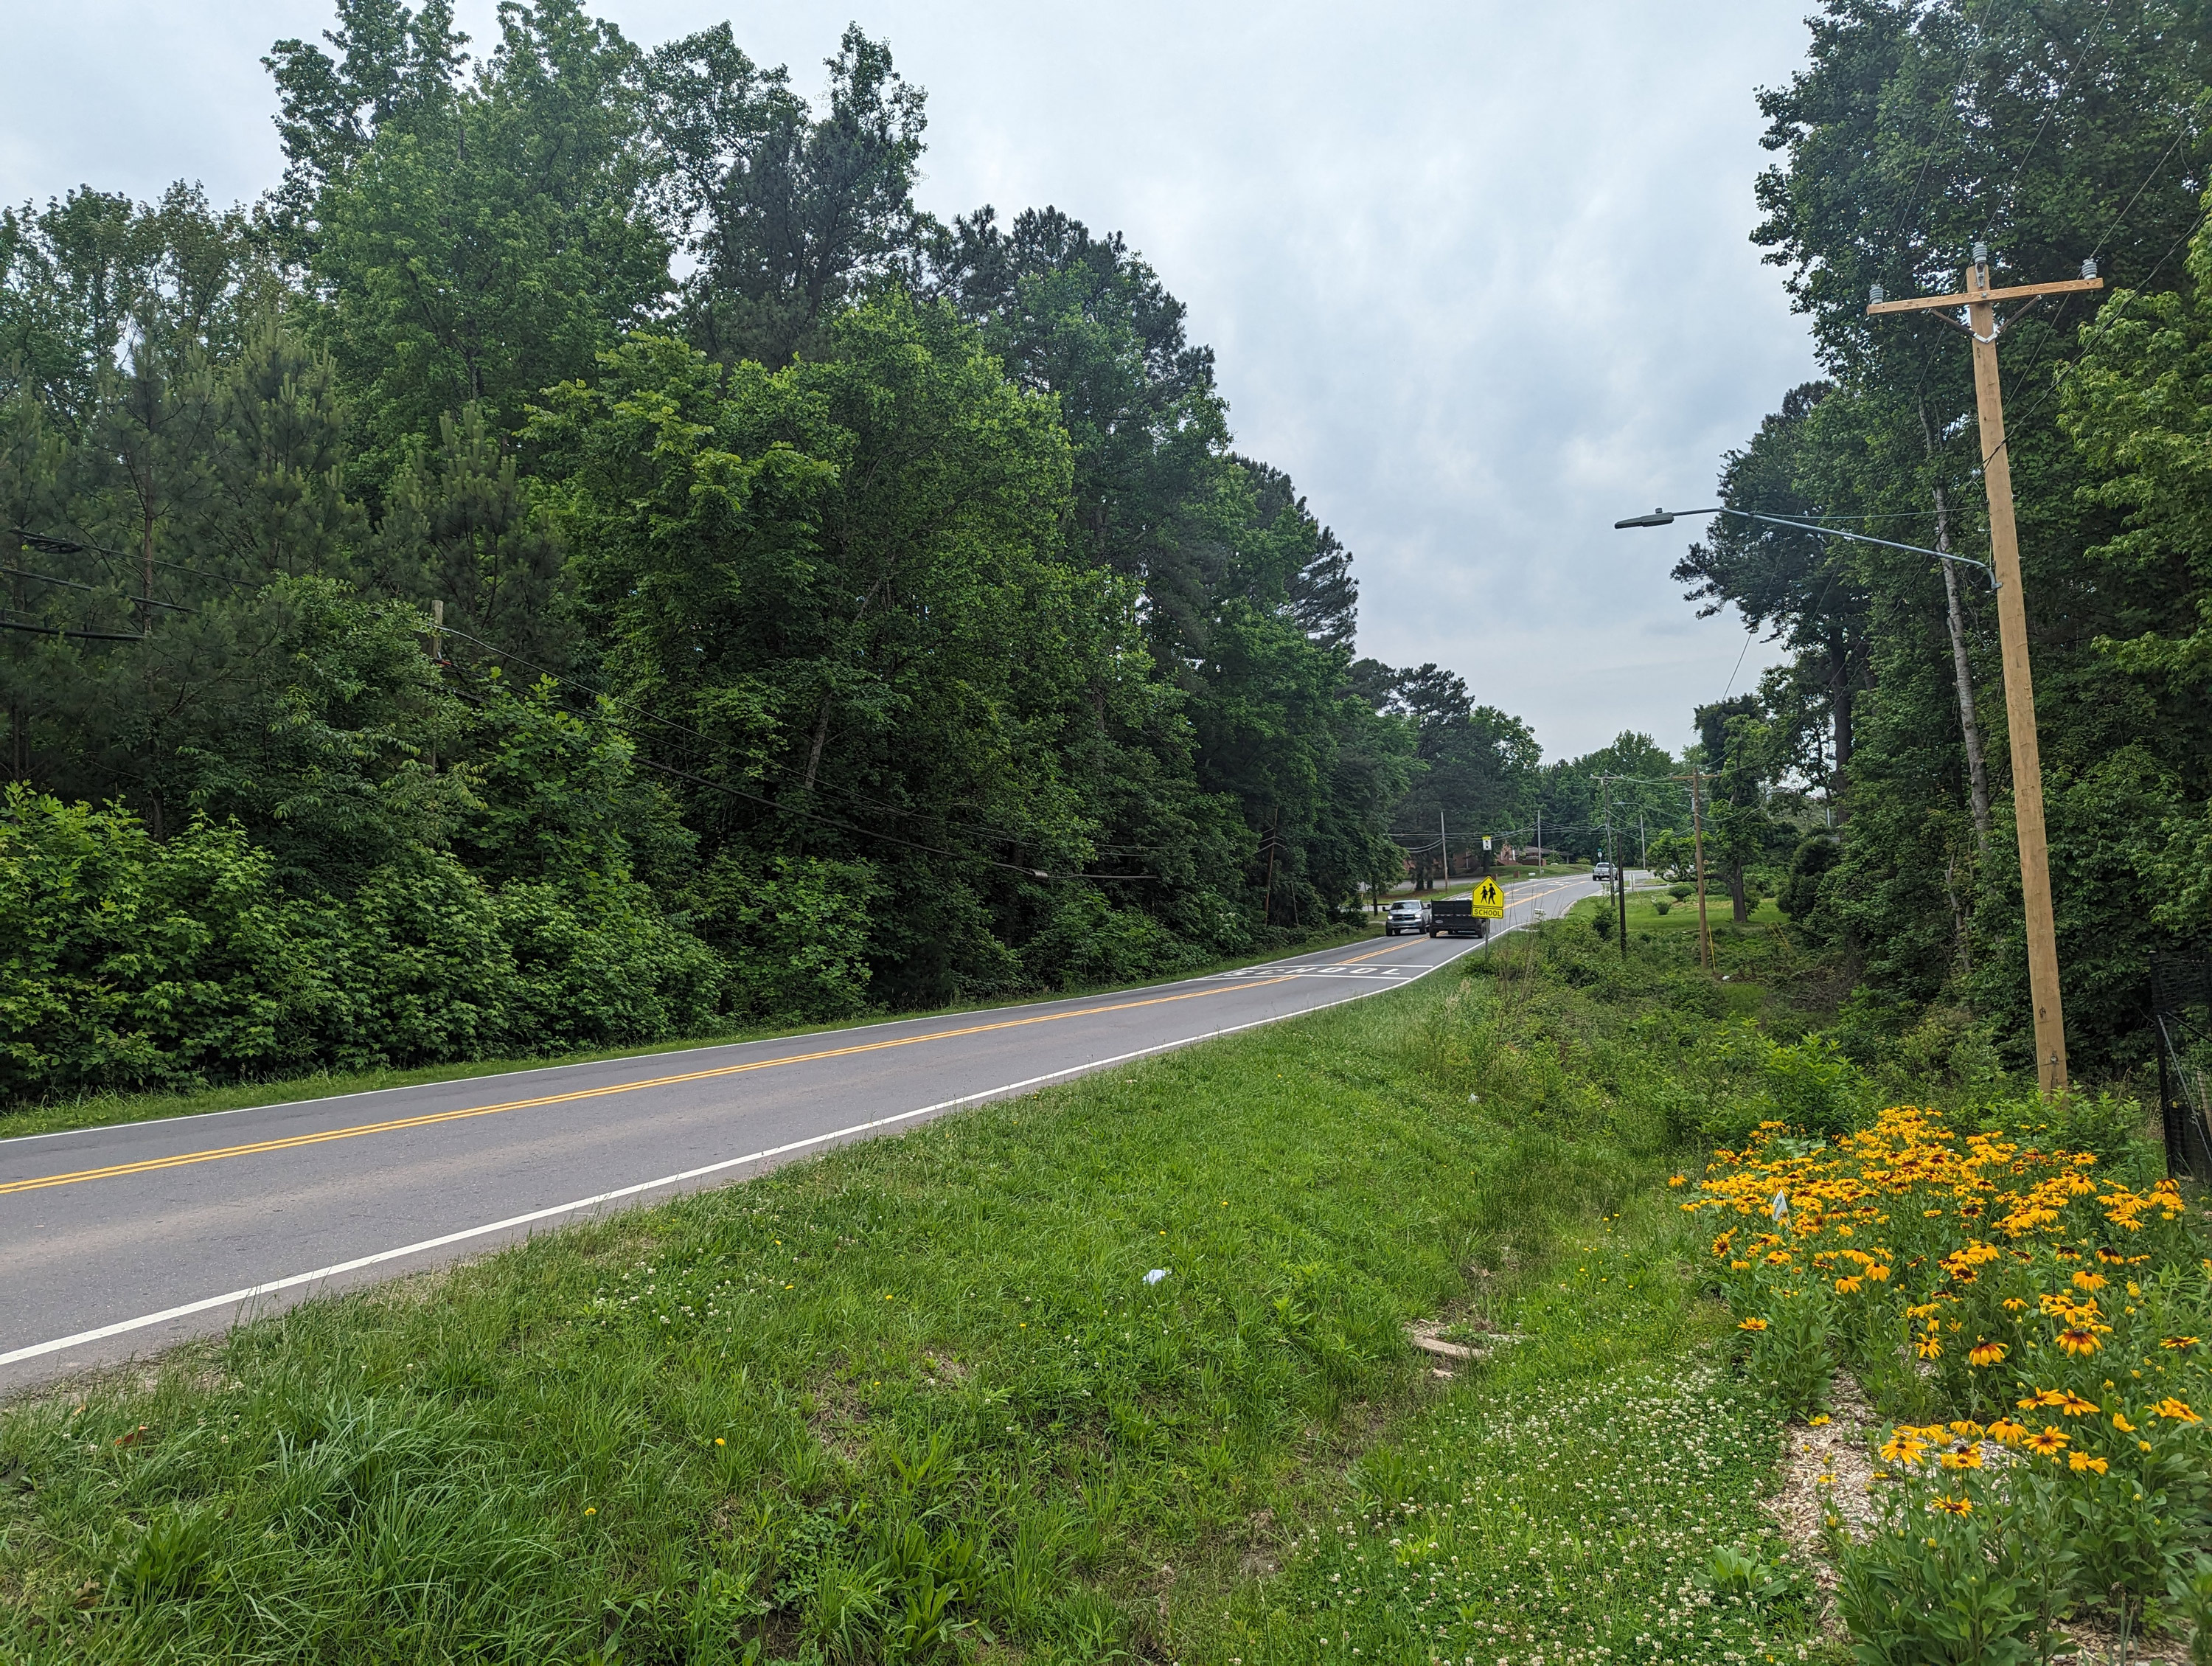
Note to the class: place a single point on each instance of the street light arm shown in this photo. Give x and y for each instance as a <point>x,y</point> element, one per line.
<point>1666,517</point>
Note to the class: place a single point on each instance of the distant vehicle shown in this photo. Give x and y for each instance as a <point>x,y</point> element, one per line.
<point>1406,917</point>
<point>1601,872</point>
<point>1456,916</point>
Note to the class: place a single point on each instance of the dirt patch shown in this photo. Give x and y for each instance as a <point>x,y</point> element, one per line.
<point>838,1422</point>
<point>1474,1343</point>
<point>943,1371</point>
<point>1828,1471</point>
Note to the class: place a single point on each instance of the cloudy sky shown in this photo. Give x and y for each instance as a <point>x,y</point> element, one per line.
<point>1478,274</point>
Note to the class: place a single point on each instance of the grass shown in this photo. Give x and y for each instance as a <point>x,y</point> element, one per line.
<point>921,1399</point>
<point>106,1110</point>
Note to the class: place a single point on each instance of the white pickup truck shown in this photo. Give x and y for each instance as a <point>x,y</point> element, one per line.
<point>1406,917</point>
<point>1601,871</point>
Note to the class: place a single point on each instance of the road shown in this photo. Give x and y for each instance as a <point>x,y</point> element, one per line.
<point>119,1241</point>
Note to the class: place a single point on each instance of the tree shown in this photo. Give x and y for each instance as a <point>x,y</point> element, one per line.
<point>1473,765</point>
<point>467,240</point>
<point>790,217</point>
<point>1799,586</point>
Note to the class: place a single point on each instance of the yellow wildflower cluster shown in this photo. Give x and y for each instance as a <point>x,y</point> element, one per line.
<point>2005,1274</point>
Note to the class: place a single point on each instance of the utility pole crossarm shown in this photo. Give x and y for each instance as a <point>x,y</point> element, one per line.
<point>2017,292</point>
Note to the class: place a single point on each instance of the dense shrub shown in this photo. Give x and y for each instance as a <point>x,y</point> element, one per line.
<point>126,961</point>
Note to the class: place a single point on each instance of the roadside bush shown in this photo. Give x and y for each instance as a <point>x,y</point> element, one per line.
<point>127,962</point>
<point>1088,941</point>
<point>1811,1085</point>
<point>792,931</point>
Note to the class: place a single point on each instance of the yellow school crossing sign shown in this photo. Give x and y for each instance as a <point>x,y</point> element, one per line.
<point>1489,902</point>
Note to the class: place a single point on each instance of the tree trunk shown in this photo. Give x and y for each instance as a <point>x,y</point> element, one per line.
<point>1843,701</point>
<point>814,753</point>
<point>1977,773</point>
<point>1978,779</point>
<point>1735,894</point>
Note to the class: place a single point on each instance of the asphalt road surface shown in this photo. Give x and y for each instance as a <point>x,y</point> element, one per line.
<point>118,1241</point>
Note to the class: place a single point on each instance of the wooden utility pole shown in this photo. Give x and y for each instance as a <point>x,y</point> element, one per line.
<point>1617,893</point>
<point>1980,302</point>
<point>1698,845</point>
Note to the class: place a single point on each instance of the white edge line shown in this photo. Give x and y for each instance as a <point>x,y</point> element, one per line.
<point>339,1268</point>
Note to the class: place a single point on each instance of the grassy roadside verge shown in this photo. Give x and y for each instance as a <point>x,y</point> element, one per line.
<point>918,1400</point>
<point>105,1110</point>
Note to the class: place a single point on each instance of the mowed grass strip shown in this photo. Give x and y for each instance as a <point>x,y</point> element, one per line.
<point>914,1399</point>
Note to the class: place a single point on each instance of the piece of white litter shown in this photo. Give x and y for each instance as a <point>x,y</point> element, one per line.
<point>1156,1275</point>
<point>1780,1207</point>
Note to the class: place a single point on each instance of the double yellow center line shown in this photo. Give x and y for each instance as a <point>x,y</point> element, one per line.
<point>398,1124</point>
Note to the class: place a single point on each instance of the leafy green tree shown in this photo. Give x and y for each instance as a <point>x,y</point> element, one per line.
<point>1736,744</point>
<point>791,217</point>
<point>1085,319</point>
<point>1798,586</point>
<point>467,240</point>
<point>1474,765</point>
<point>820,576</point>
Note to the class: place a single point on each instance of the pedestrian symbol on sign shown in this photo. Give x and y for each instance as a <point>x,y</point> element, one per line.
<point>1489,902</point>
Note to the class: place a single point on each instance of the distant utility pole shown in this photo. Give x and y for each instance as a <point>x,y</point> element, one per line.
<point>1619,889</point>
<point>1697,845</point>
<point>1980,302</point>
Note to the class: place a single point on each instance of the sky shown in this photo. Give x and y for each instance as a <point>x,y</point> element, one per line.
<point>1477,275</point>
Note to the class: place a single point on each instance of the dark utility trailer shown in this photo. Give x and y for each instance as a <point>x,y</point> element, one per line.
<point>1455,917</point>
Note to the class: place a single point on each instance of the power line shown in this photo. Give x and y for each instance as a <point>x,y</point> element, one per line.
<point>80,635</point>
<point>2106,316</point>
<point>93,589</point>
<point>2180,133</point>
<point>47,544</point>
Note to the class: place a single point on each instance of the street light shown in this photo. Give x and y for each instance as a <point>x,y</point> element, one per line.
<point>1667,518</point>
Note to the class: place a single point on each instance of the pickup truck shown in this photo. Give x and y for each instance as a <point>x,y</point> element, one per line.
<point>1406,917</point>
<point>1455,916</point>
<point>1601,871</point>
